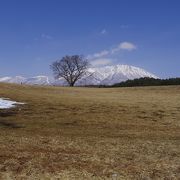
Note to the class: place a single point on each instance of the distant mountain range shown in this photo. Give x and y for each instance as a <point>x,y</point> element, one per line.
<point>107,75</point>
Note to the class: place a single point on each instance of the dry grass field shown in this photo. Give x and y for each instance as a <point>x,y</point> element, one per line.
<point>90,133</point>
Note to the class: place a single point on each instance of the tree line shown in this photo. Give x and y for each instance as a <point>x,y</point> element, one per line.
<point>146,81</point>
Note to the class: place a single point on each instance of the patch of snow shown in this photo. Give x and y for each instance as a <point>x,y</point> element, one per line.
<point>6,104</point>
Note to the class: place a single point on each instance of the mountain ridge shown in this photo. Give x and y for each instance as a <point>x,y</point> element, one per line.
<point>107,75</point>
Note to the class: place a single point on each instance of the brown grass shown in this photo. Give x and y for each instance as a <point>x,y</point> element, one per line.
<point>90,133</point>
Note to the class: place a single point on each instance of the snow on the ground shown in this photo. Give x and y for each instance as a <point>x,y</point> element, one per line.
<point>5,103</point>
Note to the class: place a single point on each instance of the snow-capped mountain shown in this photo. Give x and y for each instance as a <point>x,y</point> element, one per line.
<point>110,75</point>
<point>37,80</point>
<point>16,79</point>
<point>107,75</point>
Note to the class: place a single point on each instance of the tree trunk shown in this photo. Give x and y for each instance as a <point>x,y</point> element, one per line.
<point>71,84</point>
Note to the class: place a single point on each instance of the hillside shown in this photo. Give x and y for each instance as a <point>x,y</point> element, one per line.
<point>90,133</point>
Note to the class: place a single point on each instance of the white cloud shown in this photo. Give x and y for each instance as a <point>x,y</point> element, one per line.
<point>128,46</point>
<point>98,55</point>
<point>43,36</point>
<point>101,54</point>
<point>124,46</point>
<point>104,31</point>
<point>101,62</point>
<point>46,36</point>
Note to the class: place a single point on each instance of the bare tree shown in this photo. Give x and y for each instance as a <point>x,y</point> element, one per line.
<point>71,68</point>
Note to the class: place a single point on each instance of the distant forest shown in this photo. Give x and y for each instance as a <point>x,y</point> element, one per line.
<point>146,81</point>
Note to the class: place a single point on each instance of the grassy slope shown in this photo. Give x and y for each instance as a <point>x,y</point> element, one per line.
<point>86,133</point>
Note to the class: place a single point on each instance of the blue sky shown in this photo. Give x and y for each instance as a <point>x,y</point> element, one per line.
<point>143,33</point>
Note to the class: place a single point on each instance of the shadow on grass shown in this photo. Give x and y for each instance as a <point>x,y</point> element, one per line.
<point>10,125</point>
<point>4,122</point>
<point>7,113</point>
<point>71,123</point>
